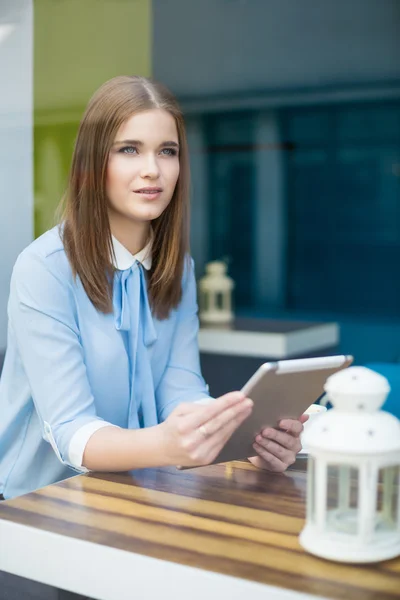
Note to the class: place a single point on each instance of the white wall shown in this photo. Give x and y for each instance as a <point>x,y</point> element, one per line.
<point>16,141</point>
<point>216,47</point>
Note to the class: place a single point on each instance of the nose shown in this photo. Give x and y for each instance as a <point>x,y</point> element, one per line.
<point>150,168</point>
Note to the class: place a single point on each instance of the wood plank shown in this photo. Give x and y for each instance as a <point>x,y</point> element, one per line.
<point>241,522</point>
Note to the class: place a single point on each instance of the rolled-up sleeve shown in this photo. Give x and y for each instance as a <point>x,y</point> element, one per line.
<point>42,313</point>
<point>182,380</point>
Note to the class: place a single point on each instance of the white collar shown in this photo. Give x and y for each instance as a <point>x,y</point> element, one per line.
<point>124,259</point>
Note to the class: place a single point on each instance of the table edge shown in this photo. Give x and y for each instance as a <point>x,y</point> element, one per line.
<point>84,567</point>
<point>264,344</point>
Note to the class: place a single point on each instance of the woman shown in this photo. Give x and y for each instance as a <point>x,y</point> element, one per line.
<point>102,367</point>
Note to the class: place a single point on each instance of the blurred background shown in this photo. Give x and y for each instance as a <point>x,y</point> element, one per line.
<point>293,118</point>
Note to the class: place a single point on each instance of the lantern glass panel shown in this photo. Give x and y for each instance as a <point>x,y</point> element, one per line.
<point>342,498</point>
<point>387,501</point>
<point>220,300</point>
<point>202,300</point>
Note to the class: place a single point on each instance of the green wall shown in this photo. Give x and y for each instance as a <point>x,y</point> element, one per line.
<point>78,44</point>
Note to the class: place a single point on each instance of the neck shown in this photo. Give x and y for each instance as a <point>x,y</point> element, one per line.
<point>134,236</point>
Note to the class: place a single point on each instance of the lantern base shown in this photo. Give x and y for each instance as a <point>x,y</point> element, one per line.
<point>216,317</point>
<point>325,546</point>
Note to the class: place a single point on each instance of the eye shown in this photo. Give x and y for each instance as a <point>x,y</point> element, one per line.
<point>128,150</point>
<point>169,152</point>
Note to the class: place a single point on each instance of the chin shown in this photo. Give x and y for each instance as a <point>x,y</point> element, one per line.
<point>147,215</point>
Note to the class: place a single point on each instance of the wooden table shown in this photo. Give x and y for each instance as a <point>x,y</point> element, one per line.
<point>215,532</point>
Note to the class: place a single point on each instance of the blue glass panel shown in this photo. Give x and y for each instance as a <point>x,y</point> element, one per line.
<point>344,212</point>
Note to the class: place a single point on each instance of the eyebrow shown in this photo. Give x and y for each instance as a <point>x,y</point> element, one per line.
<point>139,143</point>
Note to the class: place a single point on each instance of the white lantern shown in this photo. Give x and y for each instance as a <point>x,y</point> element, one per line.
<point>215,297</point>
<point>353,499</point>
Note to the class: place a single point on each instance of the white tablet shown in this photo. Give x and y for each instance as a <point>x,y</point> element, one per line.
<point>279,390</point>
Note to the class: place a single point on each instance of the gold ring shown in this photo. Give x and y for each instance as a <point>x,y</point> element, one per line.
<point>203,431</point>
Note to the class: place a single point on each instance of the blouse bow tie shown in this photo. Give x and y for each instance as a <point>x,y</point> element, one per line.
<point>131,304</point>
<point>133,318</point>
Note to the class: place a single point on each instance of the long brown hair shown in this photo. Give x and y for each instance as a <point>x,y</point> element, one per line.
<point>85,226</point>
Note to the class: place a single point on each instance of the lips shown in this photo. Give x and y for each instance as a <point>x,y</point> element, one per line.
<point>148,190</point>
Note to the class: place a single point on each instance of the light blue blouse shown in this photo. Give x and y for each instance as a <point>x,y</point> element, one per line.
<point>68,365</point>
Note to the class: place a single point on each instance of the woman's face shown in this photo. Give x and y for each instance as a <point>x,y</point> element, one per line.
<point>143,167</point>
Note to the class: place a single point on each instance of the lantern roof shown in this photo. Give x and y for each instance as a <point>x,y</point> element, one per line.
<point>353,432</point>
<point>216,278</point>
<point>355,424</point>
<point>357,380</point>
<point>357,389</point>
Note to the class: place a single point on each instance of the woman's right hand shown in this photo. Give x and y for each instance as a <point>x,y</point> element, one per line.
<point>194,434</point>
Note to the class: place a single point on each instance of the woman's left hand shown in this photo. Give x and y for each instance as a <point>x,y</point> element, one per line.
<point>277,448</point>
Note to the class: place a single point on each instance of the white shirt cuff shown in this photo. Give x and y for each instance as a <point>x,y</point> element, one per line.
<point>79,440</point>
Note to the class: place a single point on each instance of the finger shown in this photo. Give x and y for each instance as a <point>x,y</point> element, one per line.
<point>214,445</point>
<point>198,444</point>
<point>284,454</point>
<point>192,420</point>
<point>286,440</point>
<point>230,415</point>
<point>220,436</point>
<point>273,463</point>
<point>304,418</point>
<point>292,426</point>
